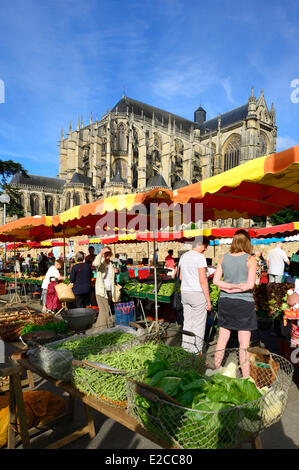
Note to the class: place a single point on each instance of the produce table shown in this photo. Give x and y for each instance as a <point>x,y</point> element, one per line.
<point>117,414</point>
<point>22,279</point>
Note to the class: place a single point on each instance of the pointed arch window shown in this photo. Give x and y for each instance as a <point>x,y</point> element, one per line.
<point>121,139</point>
<point>263,150</point>
<point>49,205</point>
<point>196,166</point>
<point>120,166</point>
<point>176,169</point>
<point>34,204</point>
<point>86,160</point>
<point>77,199</point>
<point>232,153</point>
<point>157,151</point>
<point>68,201</point>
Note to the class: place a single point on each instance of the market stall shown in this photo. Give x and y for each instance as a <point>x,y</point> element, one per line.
<point>250,409</point>
<point>250,405</point>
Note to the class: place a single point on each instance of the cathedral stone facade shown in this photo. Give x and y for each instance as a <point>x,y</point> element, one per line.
<point>135,147</point>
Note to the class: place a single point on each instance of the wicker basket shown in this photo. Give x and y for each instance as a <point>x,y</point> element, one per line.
<point>188,428</point>
<point>65,292</point>
<point>263,369</point>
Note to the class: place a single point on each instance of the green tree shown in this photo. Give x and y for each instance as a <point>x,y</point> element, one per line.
<point>284,216</point>
<point>9,168</point>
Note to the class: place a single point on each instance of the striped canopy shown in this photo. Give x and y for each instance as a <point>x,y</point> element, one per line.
<point>184,235</point>
<point>262,186</point>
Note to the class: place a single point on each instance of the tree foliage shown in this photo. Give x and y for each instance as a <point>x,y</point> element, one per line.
<point>284,216</point>
<point>9,168</point>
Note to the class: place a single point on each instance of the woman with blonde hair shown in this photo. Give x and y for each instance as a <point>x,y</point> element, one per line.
<point>235,276</point>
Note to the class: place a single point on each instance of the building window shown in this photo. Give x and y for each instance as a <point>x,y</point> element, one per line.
<point>68,201</point>
<point>86,160</point>
<point>263,150</point>
<point>157,151</point>
<point>121,139</point>
<point>34,204</point>
<point>120,166</point>
<point>232,153</point>
<point>196,167</point>
<point>49,205</point>
<point>77,199</point>
<point>176,167</point>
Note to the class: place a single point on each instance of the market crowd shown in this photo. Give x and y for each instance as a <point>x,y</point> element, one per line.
<point>97,279</point>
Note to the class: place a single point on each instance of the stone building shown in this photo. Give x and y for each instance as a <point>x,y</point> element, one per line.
<point>136,146</point>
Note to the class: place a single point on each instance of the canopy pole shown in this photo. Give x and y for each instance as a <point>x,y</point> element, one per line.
<point>148,254</point>
<point>16,296</point>
<point>156,287</point>
<point>64,262</point>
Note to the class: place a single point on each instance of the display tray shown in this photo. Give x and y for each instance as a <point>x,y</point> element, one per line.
<point>160,298</point>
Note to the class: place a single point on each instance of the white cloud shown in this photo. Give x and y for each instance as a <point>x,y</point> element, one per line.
<point>285,143</point>
<point>20,157</point>
<point>226,83</point>
<point>184,76</point>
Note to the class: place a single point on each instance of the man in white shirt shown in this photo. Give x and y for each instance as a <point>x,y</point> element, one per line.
<point>195,293</point>
<point>275,263</point>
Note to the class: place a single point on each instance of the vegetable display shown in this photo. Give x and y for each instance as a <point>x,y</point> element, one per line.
<point>214,295</point>
<point>131,360</point>
<point>270,299</point>
<point>83,347</point>
<point>211,417</point>
<point>56,327</point>
<point>11,324</point>
<point>135,286</point>
<point>167,289</point>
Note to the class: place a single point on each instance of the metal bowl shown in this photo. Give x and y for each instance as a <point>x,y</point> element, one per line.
<point>79,319</point>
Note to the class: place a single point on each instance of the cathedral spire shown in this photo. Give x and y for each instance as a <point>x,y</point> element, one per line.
<point>81,122</point>
<point>78,124</point>
<point>252,97</point>
<point>61,135</point>
<point>272,113</point>
<point>90,120</point>
<point>70,127</point>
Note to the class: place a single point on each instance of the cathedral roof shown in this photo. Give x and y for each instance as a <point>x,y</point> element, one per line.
<point>180,184</point>
<point>38,181</point>
<point>156,181</point>
<point>230,117</point>
<point>117,178</point>
<point>148,111</point>
<point>78,178</point>
<point>235,115</point>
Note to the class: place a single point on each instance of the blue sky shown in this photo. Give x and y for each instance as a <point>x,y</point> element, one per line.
<point>61,59</point>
